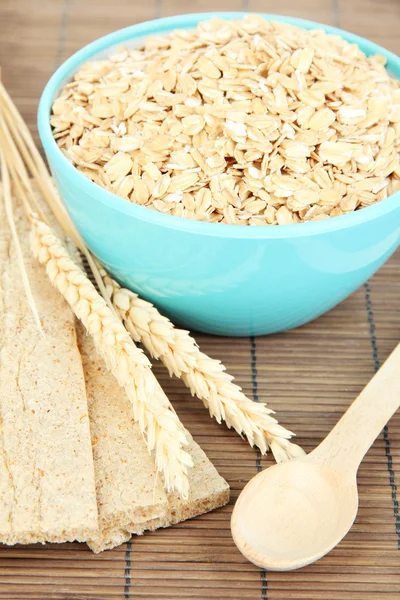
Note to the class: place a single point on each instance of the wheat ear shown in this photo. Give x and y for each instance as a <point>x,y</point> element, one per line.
<point>158,422</point>
<point>205,377</point>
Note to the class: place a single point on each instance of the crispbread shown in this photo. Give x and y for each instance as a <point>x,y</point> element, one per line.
<point>130,497</point>
<point>208,490</point>
<point>127,486</point>
<point>47,489</point>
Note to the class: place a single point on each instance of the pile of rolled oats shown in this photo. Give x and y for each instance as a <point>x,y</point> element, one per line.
<point>246,122</point>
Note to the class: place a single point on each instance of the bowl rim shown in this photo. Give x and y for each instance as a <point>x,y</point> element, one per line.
<point>99,194</point>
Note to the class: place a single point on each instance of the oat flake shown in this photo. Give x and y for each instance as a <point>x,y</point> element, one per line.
<point>246,122</point>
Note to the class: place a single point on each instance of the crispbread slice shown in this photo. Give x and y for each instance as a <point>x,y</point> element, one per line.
<point>127,485</point>
<point>47,488</point>
<point>208,490</point>
<point>130,496</point>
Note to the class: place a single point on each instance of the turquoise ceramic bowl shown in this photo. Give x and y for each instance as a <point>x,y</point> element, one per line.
<point>222,279</point>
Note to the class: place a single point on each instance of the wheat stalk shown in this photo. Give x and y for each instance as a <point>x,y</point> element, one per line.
<point>157,420</point>
<point>205,377</point>
<point>160,425</point>
<point>5,177</point>
<point>25,155</point>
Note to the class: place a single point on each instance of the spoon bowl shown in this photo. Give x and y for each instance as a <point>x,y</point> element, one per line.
<point>292,514</point>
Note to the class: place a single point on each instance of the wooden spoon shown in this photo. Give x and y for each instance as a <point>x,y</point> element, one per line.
<point>293,513</point>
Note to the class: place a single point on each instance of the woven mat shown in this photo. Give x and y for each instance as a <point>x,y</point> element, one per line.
<point>309,376</point>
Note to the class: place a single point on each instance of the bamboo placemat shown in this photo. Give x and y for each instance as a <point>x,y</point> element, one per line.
<point>309,375</point>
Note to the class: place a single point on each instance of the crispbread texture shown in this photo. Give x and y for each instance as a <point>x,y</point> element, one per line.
<point>130,496</point>
<point>47,488</point>
<point>127,485</point>
<point>208,490</point>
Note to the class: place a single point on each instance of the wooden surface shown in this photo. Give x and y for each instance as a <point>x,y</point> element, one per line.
<point>309,376</point>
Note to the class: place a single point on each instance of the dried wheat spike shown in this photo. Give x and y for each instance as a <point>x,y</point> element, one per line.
<point>158,422</point>
<point>205,377</point>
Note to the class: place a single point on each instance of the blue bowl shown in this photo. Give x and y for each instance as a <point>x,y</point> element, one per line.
<point>216,278</point>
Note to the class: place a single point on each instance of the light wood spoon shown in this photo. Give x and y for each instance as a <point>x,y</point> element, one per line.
<point>293,513</point>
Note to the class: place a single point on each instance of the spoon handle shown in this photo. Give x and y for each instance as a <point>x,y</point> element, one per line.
<point>349,440</point>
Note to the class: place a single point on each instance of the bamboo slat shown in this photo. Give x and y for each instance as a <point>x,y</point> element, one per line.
<point>309,375</point>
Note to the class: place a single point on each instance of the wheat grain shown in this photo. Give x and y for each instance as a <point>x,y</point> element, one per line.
<point>205,377</point>
<point>159,424</point>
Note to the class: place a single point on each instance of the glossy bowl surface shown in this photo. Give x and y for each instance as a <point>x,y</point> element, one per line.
<point>222,279</point>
